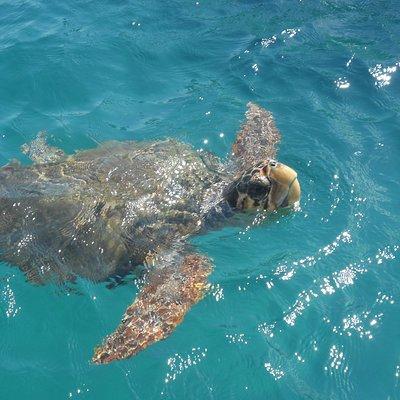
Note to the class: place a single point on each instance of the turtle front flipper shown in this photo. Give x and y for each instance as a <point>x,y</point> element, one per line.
<point>257,139</point>
<point>170,290</point>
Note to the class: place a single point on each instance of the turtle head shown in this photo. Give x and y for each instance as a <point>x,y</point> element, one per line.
<point>285,187</point>
<point>268,185</point>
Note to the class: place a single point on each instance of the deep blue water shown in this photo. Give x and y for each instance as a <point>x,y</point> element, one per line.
<point>303,306</point>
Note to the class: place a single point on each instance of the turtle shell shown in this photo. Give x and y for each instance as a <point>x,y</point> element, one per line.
<point>102,211</point>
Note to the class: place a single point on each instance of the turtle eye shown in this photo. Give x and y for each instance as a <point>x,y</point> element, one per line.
<point>273,163</point>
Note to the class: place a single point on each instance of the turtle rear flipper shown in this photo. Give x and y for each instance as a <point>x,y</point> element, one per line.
<point>40,152</point>
<point>161,305</point>
<point>257,139</point>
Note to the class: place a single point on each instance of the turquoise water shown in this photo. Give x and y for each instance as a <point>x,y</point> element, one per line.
<point>303,306</point>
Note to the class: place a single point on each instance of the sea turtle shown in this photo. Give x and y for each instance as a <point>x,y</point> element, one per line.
<point>105,211</point>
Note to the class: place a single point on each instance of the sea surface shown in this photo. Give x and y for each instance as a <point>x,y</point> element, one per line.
<point>303,305</point>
